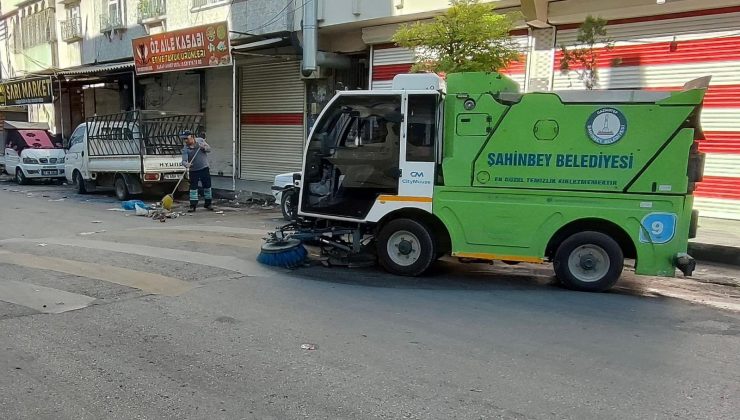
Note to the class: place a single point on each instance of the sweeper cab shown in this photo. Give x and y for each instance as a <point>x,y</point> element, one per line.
<point>477,170</point>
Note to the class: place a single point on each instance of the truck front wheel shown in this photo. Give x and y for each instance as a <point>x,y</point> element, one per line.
<point>289,204</point>
<point>406,247</point>
<point>79,183</point>
<point>589,261</point>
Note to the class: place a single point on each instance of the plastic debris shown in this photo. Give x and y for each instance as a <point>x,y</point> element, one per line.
<point>141,211</point>
<point>96,221</point>
<point>91,233</point>
<point>308,346</point>
<point>132,204</point>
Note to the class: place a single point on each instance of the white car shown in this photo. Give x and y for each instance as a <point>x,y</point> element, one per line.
<point>29,152</point>
<point>285,190</point>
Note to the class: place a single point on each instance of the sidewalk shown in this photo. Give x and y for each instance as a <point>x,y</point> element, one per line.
<point>717,240</point>
<point>245,191</point>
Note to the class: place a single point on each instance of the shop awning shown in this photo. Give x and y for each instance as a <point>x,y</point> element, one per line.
<point>97,68</point>
<point>263,43</point>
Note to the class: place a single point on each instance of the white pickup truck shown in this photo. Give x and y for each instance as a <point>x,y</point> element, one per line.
<point>28,152</point>
<point>133,152</point>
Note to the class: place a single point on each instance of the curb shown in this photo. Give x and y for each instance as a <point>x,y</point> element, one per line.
<point>715,253</point>
<point>243,196</point>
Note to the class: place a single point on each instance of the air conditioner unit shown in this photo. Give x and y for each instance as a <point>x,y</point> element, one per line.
<point>319,73</point>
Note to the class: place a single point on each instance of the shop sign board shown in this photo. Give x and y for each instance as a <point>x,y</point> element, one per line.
<point>184,49</point>
<point>28,91</point>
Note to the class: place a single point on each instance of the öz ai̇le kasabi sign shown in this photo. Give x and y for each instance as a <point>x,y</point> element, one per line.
<point>191,48</point>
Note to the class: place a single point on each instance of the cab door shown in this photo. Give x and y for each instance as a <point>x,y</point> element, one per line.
<point>419,137</point>
<point>75,157</point>
<point>353,155</point>
<point>12,160</point>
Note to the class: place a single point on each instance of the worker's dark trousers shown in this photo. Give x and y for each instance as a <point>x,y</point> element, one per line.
<point>204,177</point>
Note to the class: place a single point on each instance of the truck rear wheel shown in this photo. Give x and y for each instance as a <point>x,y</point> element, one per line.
<point>589,261</point>
<point>122,193</point>
<point>406,247</point>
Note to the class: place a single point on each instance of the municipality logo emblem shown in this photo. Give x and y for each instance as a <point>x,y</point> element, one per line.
<point>606,126</point>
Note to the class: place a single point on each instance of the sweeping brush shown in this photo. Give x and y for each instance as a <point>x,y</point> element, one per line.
<point>288,253</point>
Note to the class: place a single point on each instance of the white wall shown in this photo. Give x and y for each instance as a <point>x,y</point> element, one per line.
<point>219,123</point>
<point>375,12</point>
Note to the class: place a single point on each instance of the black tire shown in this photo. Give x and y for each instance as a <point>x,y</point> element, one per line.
<point>289,205</point>
<point>122,193</point>
<point>596,264</point>
<point>419,247</point>
<point>79,183</point>
<point>20,177</point>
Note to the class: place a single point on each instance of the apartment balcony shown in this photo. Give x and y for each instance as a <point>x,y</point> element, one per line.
<point>72,29</point>
<point>111,21</point>
<point>152,11</point>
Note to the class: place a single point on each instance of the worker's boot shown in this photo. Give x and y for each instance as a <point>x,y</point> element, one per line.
<point>193,200</point>
<point>208,195</point>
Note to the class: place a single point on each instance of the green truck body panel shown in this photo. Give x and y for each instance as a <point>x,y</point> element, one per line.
<point>518,169</point>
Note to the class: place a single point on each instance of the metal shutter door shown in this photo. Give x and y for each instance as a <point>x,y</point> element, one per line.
<point>272,110</point>
<point>666,53</point>
<point>389,60</point>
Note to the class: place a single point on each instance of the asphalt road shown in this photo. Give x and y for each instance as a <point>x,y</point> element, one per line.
<point>109,316</point>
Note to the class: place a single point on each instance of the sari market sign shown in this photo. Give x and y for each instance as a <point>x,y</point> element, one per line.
<point>34,90</point>
<point>191,48</point>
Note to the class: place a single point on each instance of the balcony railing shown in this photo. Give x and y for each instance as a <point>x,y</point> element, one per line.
<point>200,4</point>
<point>38,29</point>
<point>150,10</point>
<point>111,21</point>
<point>72,29</point>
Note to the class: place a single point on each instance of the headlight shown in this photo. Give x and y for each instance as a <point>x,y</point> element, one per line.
<point>30,161</point>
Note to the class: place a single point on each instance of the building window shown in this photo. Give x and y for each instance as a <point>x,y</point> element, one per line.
<point>205,4</point>
<point>72,26</point>
<point>151,10</point>
<point>38,28</point>
<point>113,16</point>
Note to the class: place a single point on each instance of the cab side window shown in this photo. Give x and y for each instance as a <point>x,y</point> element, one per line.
<point>421,128</point>
<point>77,136</point>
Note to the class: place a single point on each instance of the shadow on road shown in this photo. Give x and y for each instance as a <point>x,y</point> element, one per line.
<point>445,275</point>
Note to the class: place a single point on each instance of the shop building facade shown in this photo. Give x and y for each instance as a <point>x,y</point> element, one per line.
<point>259,110</point>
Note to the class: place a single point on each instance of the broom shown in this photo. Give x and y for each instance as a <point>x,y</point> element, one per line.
<point>286,253</point>
<point>169,199</point>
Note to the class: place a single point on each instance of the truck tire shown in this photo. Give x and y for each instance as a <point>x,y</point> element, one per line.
<point>589,262</point>
<point>406,247</point>
<point>79,183</point>
<point>20,178</point>
<point>121,188</point>
<point>289,205</point>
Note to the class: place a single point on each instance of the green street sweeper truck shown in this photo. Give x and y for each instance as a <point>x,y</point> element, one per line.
<point>471,167</point>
